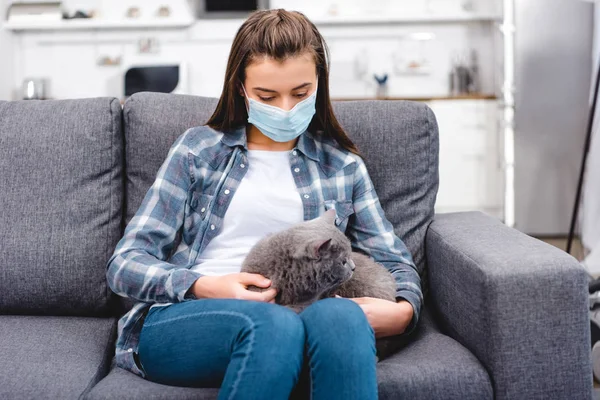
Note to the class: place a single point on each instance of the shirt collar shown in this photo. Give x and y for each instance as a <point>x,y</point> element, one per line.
<point>235,137</point>
<point>305,144</point>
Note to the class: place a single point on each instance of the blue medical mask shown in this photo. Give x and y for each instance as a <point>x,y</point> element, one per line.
<point>278,124</point>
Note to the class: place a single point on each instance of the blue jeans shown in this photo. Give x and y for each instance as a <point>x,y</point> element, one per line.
<point>256,350</point>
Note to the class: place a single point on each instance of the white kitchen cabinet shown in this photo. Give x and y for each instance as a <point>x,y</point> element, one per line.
<point>68,66</point>
<point>471,174</point>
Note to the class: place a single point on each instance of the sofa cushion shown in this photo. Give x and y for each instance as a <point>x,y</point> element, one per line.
<point>53,357</point>
<point>61,204</point>
<point>122,384</point>
<point>431,366</point>
<point>398,141</point>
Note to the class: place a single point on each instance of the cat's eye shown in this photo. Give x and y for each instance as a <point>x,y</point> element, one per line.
<point>349,263</point>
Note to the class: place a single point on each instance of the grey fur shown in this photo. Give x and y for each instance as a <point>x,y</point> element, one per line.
<point>314,260</point>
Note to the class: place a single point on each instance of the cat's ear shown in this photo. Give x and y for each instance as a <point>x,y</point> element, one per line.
<point>329,216</point>
<point>313,249</point>
<point>319,246</point>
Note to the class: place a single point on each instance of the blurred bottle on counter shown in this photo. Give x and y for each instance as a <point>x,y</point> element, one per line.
<point>464,76</point>
<point>475,78</point>
<point>34,88</point>
<point>382,86</point>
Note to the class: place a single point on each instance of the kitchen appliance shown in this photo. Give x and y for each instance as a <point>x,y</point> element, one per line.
<point>34,88</point>
<point>553,47</point>
<point>589,179</point>
<point>162,78</point>
<point>228,8</point>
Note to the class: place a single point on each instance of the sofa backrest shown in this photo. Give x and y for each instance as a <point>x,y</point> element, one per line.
<point>61,204</point>
<point>400,146</point>
<point>398,141</point>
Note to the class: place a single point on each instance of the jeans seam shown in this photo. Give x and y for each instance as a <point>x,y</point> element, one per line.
<point>244,362</point>
<point>230,313</point>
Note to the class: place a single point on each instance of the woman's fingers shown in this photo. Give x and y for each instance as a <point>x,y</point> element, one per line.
<point>265,296</point>
<point>246,279</point>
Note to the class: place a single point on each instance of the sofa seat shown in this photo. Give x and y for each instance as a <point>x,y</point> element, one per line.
<point>53,357</point>
<point>431,366</point>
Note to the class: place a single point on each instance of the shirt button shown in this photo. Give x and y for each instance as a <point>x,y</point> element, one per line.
<point>306,196</point>
<point>296,169</point>
<point>203,209</point>
<point>242,166</point>
<point>212,227</point>
<point>129,350</point>
<point>294,152</point>
<point>226,191</point>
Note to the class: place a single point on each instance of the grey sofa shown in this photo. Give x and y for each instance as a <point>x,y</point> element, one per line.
<point>505,315</point>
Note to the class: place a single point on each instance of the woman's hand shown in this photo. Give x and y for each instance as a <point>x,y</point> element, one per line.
<point>233,286</point>
<point>387,318</point>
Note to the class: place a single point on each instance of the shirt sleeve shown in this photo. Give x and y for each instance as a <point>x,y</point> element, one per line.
<point>137,268</point>
<point>372,233</point>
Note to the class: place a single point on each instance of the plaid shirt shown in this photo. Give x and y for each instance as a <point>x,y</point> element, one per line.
<point>184,209</point>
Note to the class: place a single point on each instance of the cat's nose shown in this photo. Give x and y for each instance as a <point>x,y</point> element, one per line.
<point>351,264</point>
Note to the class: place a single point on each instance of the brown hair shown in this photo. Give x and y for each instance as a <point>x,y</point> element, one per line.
<point>278,34</point>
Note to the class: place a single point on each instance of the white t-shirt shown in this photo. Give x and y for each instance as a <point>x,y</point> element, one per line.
<point>266,201</point>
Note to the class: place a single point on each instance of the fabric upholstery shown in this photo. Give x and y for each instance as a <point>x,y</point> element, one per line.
<point>519,304</point>
<point>53,357</point>
<point>432,366</point>
<point>61,204</point>
<point>122,384</point>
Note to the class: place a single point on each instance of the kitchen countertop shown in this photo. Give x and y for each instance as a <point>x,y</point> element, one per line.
<point>425,98</point>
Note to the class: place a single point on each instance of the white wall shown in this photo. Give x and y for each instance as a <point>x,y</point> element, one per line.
<point>317,8</point>
<point>6,57</point>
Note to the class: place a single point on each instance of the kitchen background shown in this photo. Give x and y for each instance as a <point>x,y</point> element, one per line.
<point>448,53</point>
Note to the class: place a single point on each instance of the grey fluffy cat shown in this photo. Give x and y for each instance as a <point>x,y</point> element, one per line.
<point>314,260</point>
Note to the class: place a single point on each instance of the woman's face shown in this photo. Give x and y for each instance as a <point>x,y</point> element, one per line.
<point>281,84</point>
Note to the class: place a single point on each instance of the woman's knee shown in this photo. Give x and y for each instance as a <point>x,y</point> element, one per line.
<point>337,330</point>
<point>335,311</point>
<point>336,320</point>
<point>279,324</point>
<point>275,335</point>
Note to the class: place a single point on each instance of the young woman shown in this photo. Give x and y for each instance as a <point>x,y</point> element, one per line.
<point>271,155</point>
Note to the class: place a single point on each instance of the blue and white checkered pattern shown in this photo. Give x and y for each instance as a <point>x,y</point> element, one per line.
<point>184,208</point>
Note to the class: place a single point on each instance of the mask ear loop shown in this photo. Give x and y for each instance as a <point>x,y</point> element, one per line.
<point>246,99</point>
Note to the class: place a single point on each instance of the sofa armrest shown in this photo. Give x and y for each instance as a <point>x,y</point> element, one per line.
<point>519,304</point>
